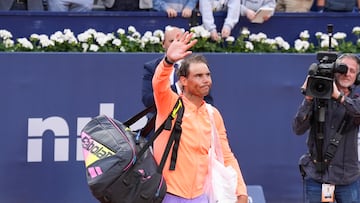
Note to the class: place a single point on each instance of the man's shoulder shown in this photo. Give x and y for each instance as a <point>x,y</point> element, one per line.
<point>154,62</point>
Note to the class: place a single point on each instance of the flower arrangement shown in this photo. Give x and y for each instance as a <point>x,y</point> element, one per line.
<point>131,40</point>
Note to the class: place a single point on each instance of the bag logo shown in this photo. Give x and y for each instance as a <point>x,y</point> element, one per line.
<point>93,150</point>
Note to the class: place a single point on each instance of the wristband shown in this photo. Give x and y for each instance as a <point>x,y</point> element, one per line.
<point>340,97</point>
<point>168,61</point>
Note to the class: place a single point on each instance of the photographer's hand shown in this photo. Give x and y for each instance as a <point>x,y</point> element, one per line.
<point>303,89</point>
<point>337,94</point>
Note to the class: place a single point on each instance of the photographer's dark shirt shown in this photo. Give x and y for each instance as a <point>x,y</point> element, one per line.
<point>344,166</point>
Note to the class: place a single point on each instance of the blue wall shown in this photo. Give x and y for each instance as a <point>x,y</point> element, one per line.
<point>257,94</point>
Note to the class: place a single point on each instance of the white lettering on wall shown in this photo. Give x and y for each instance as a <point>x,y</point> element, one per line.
<point>60,129</point>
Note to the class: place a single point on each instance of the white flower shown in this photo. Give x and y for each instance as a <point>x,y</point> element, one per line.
<point>324,36</point>
<point>200,31</point>
<point>304,35</point>
<point>122,49</point>
<point>257,37</point>
<point>57,37</point>
<point>325,43</point>
<point>245,31</point>
<point>85,47</point>
<point>279,40</point>
<point>356,30</point>
<point>160,34</point>
<point>8,43</point>
<point>144,39</point>
<point>84,37</point>
<point>69,36</point>
<point>116,42</point>
<point>340,36</point>
<point>285,45</point>
<point>131,29</point>
<point>301,45</point>
<point>282,43</point>
<point>25,43</point>
<point>318,34</point>
<point>270,41</point>
<point>4,34</point>
<point>249,45</point>
<point>120,31</point>
<point>101,38</point>
<point>205,34</point>
<point>34,36</point>
<point>230,39</point>
<point>142,44</point>
<point>44,41</point>
<point>148,34</point>
<point>91,31</point>
<point>154,40</point>
<point>136,35</point>
<point>93,47</point>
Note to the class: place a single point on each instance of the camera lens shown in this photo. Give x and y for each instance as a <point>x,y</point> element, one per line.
<point>320,88</point>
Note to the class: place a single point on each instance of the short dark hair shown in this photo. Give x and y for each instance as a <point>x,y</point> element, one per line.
<point>185,64</point>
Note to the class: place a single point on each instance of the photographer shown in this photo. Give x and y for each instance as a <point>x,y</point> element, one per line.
<point>331,163</point>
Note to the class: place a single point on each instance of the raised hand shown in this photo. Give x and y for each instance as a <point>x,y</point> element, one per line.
<point>179,48</point>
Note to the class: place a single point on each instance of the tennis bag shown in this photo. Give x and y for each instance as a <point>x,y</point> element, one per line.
<point>120,167</point>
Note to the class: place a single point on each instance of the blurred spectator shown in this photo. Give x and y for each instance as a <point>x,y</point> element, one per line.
<point>6,5</point>
<point>207,7</point>
<point>248,8</point>
<point>127,5</point>
<point>173,7</point>
<point>294,5</point>
<point>70,5</point>
<point>338,5</point>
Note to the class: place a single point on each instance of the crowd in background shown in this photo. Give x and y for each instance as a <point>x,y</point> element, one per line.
<point>173,7</point>
<point>190,8</point>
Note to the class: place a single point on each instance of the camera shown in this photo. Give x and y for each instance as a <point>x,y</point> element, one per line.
<point>321,75</point>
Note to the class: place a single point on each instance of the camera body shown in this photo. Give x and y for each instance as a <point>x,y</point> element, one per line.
<point>321,75</point>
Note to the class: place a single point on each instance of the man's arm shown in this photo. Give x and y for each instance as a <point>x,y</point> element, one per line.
<point>147,96</point>
<point>206,11</point>
<point>233,13</point>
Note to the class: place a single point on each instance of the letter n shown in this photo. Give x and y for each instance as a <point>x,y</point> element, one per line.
<point>36,129</point>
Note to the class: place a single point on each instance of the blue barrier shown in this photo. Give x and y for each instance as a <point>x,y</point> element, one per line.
<point>286,25</point>
<point>48,97</point>
<point>256,194</point>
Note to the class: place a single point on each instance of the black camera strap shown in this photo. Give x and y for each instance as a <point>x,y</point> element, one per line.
<point>335,140</point>
<point>319,136</point>
<point>322,161</point>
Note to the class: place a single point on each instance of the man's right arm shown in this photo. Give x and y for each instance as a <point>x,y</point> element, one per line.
<point>147,96</point>
<point>301,122</point>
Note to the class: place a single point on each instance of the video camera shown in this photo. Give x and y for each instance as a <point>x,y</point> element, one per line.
<point>321,75</point>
